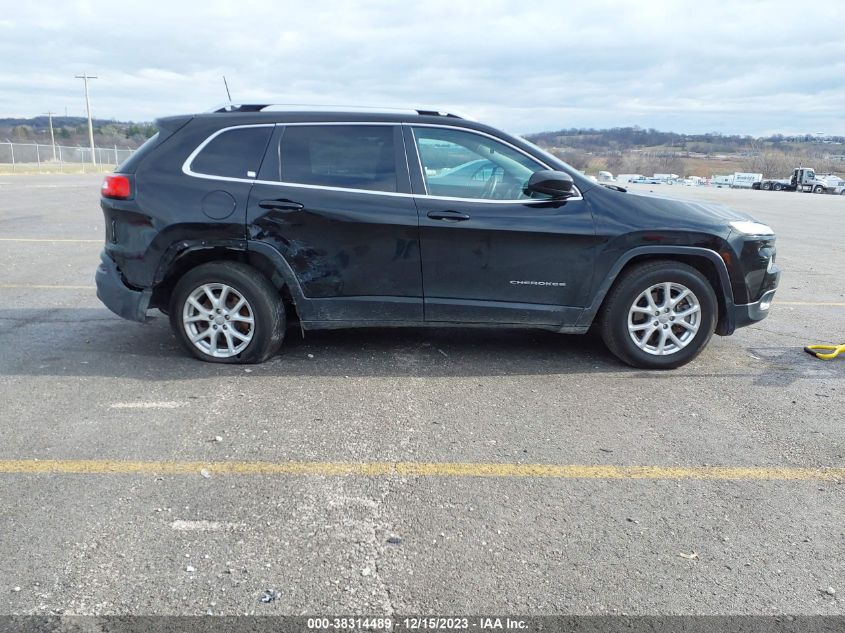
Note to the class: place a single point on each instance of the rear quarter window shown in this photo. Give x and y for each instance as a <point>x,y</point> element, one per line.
<point>235,153</point>
<point>130,164</point>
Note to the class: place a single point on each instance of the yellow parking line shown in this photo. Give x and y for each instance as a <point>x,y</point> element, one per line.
<point>47,239</point>
<point>420,469</point>
<point>44,287</point>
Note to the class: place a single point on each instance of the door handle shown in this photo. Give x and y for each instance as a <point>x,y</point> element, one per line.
<point>449,216</point>
<point>281,205</point>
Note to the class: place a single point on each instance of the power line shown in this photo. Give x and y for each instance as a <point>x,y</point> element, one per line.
<point>85,78</point>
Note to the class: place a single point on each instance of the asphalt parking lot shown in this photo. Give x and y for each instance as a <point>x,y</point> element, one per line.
<point>417,471</point>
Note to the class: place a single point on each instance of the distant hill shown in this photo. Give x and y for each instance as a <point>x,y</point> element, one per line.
<point>631,138</point>
<point>648,151</point>
<point>73,131</point>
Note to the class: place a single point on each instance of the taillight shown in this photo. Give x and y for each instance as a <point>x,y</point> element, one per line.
<point>116,186</point>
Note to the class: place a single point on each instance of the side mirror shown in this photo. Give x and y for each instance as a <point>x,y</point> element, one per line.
<point>556,184</point>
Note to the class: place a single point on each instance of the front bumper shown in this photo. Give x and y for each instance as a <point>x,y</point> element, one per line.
<point>124,301</point>
<point>756,277</point>
<point>748,313</point>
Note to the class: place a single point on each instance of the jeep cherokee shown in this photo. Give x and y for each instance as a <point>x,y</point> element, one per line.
<point>234,221</point>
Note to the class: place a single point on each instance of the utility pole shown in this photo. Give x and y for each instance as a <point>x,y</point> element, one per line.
<point>52,136</point>
<point>85,78</point>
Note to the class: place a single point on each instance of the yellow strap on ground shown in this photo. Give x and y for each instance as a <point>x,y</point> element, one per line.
<point>825,352</point>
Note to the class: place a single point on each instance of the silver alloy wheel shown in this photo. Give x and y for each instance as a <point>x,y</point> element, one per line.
<point>664,318</point>
<point>218,320</point>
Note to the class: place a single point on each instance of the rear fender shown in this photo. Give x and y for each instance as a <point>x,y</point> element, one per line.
<point>184,255</point>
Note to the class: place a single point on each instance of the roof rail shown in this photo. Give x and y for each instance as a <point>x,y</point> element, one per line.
<point>307,107</point>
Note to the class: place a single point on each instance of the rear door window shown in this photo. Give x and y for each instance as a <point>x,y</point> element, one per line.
<point>343,156</point>
<point>234,153</point>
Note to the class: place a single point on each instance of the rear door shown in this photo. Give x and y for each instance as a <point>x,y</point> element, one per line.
<point>490,252</point>
<point>335,201</point>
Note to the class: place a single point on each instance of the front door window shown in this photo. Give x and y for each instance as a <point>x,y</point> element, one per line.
<point>461,164</point>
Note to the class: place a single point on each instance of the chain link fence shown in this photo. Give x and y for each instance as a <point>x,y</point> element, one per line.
<point>34,158</point>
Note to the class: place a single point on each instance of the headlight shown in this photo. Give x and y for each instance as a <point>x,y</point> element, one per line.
<point>770,265</point>
<point>749,227</point>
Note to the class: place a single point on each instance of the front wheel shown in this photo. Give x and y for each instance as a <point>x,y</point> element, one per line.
<point>227,312</point>
<point>659,315</point>
<point>818,189</point>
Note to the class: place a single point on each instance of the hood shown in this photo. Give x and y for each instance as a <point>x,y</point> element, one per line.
<point>693,213</point>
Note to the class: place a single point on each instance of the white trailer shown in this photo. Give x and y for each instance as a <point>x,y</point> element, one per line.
<point>721,181</point>
<point>744,180</point>
<point>629,177</point>
<point>666,177</point>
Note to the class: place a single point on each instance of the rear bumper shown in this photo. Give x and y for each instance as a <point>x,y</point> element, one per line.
<point>124,301</point>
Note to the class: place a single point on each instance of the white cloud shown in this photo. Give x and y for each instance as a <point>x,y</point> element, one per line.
<point>670,64</point>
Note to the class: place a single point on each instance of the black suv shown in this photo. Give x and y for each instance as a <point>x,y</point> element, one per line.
<point>235,221</point>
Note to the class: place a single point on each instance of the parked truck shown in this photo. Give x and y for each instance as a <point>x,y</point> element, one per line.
<point>803,179</point>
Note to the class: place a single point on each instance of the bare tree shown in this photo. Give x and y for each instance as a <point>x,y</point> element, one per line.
<point>774,164</point>
<point>578,159</point>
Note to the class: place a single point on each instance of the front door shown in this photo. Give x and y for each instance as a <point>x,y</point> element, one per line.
<point>490,252</point>
<point>334,200</point>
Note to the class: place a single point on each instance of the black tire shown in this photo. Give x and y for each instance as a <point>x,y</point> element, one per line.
<point>613,316</point>
<point>818,189</point>
<point>777,186</point>
<point>767,186</point>
<point>263,301</point>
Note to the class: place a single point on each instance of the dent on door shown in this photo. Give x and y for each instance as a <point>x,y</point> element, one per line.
<point>356,256</point>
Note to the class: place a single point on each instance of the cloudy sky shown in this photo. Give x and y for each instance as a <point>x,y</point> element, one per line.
<point>735,66</point>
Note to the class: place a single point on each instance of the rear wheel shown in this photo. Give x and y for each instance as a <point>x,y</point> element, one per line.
<point>227,312</point>
<point>766,185</point>
<point>778,186</point>
<point>659,315</point>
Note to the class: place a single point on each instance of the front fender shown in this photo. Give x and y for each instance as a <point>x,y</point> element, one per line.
<point>725,292</point>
